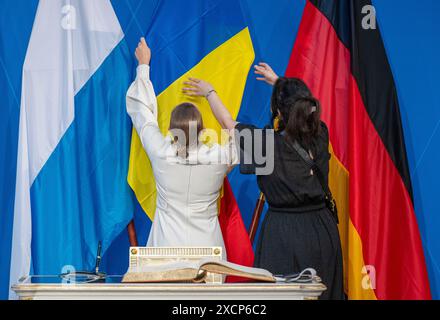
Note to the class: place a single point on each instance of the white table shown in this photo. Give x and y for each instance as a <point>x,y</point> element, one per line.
<point>168,291</point>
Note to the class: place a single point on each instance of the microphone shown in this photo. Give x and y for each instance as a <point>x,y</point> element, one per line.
<point>98,258</point>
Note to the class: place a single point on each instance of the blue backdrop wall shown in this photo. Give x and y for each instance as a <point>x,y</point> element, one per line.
<point>411,34</point>
<point>410,30</point>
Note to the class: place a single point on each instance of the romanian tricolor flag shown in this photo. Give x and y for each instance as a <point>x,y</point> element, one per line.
<point>224,57</point>
<point>339,53</point>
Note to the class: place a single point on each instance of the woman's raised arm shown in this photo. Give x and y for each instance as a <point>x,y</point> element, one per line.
<point>142,104</point>
<point>201,88</point>
<point>197,87</point>
<point>141,98</point>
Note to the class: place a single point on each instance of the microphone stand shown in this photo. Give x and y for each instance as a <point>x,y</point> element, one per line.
<point>86,276</point>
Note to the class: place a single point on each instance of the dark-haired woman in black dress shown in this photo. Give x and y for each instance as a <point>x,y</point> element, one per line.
<point>298,231</point>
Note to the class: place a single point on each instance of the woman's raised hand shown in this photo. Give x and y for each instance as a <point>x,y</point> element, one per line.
<point>197,87</point>
<point>200,88</point>
<point>268,75</point>
<point>143,52</point>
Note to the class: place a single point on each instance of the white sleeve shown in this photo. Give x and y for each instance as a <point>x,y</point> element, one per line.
<point>232,153</point>
<point>235,159</point>
<point>142,109</point>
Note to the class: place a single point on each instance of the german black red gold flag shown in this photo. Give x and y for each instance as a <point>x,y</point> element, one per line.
<point>341,56</point>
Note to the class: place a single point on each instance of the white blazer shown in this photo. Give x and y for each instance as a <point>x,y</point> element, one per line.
<point>187,189</point>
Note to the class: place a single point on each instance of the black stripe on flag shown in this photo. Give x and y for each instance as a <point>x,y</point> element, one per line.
<point>371,69</point>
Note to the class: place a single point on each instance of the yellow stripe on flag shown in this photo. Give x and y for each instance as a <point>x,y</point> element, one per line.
<point>226,68</point>
<point>354,278</point>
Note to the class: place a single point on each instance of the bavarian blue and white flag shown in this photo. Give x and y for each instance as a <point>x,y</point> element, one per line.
<point>74,138</point>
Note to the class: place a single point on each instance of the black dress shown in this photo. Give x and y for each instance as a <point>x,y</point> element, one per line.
<point>298,231</point>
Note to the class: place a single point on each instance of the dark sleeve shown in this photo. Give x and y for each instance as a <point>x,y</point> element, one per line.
<point>325,139</point>
<point>251,142</point>
<point>323,160</point>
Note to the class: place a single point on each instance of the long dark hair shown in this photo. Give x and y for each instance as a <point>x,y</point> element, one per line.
<point>183,117</point>
<point>300,112</point>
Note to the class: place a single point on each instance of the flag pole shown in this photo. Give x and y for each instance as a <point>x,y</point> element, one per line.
<point>256,217</point>
<point>132,234</point>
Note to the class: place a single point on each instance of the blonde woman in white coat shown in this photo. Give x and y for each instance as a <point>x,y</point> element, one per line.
<point>188,174</point>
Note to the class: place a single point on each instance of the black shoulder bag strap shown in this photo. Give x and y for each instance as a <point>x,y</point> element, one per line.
<point>329,200</point>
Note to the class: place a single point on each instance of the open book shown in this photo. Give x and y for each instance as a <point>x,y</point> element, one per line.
<point>185,271</point>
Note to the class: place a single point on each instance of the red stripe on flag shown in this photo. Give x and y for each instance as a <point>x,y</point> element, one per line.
<point>238,245</point>
<point>320,59</point>
<point>380,207</point>
<point>382,212</point>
